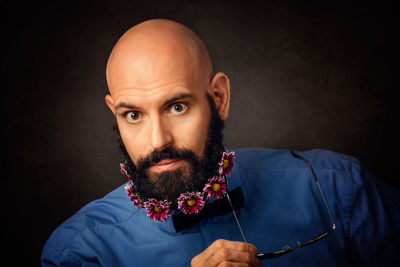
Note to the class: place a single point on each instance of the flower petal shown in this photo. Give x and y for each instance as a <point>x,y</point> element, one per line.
<point>186,204</point>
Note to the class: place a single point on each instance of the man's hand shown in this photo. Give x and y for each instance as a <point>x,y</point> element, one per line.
<point>227,253</point>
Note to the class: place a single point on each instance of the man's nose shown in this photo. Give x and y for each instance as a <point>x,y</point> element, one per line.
<point>160,134</point>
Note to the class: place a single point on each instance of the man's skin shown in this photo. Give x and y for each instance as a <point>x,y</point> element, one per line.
<point>158,74</point>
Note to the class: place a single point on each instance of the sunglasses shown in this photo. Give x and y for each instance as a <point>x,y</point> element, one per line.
<point>287,249</point>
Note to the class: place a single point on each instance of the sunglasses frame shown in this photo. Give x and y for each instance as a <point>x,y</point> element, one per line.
<point>287,249</point>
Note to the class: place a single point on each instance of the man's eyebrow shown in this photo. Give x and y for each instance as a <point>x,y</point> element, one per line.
<point>167,102</point>
<point>125,105</point>
<point>178,97</point>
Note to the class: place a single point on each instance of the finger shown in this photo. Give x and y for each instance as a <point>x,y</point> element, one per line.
<point>203,259</point>
<point>235,245</point>
<point>232,264</point>
<point>233,256</point>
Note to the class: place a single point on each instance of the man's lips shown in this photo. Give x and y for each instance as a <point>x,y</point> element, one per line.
<point>166,165</point>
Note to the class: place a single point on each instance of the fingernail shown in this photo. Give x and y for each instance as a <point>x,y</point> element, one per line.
<point>252,249</point>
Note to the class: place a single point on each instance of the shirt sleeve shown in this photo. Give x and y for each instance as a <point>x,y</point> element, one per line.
<point>374,222</point>
<point>52,257</point>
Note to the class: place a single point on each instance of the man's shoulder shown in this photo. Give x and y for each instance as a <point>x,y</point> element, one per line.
<point>114,208</point>
<point>267,158</point>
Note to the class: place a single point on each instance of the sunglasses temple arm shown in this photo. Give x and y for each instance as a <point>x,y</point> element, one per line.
<point>319,187</point>
<point>327,208</point>
<point>234,214</point>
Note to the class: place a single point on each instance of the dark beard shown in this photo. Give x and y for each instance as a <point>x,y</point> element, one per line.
<point>170,184</point>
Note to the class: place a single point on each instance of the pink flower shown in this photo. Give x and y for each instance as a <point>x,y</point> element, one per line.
<point>226,163</point>
<point>190,203</point>
<point>216,187</point>
<point>158,210</point>
<point>123,169</point>
<point>134,196</point>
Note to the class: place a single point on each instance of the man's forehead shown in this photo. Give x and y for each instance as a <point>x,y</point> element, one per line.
<point>156,97</point>
<point>133,102</point>
<point>150,75</point>
<point>158,87</point>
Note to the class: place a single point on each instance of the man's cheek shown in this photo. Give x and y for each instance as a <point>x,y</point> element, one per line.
<point>132,150</point>
<point>193,139</point>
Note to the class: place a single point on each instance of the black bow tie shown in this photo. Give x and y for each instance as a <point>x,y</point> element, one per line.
<point>218,207</point>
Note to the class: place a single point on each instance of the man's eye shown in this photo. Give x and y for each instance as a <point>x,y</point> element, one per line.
<point>133,116</point>
<point>178,108</point>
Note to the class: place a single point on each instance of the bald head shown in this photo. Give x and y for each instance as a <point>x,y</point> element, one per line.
<point>154,51</point>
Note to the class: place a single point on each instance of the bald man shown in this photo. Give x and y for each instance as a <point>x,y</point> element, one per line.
<point>190,201</point>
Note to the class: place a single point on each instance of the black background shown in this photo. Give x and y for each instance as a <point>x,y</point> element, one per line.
<point>304,75</point>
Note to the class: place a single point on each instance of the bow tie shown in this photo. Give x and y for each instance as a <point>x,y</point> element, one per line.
<point>218,207</point>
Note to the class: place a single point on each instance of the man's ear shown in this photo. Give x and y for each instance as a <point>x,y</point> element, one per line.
<point>110,103</point>
<point>220,90</point>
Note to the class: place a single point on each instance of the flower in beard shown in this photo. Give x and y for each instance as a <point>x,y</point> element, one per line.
<point>226,163</point>
<point>134,196</point>
<point>158,210</point>
<point>124,171</point>
<point>216,187</point>
<point>190,203</point>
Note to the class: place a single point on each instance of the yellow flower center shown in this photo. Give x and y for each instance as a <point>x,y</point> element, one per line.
<point>158,209</point>
<point>226,163</point>
<point>191,202</point>
<point>216,187</point>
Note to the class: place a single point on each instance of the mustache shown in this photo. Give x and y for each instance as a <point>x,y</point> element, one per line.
<point>166,153</point>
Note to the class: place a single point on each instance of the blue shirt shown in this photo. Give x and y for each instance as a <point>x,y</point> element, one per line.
<point>282,205</point>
